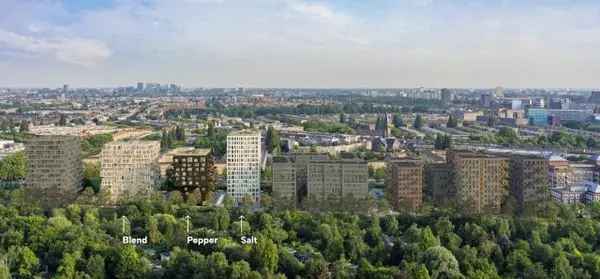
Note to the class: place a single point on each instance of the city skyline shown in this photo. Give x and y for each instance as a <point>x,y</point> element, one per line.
<point>296,43</point>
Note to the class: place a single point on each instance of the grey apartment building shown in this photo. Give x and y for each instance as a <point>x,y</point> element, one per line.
<point>337,178</point>
<point>284,179</point>
<point>55,169</point>
<point>300,176</point>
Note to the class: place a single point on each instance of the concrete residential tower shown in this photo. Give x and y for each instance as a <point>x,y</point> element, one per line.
<point>193,169</point>
<point>129,168</point>
<point>404,183</point>
<point>338,179</point>
<point>243,165</point>
<point>480,181</point>
<point>55,170</point>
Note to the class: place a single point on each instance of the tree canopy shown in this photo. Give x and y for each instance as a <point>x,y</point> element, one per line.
<point>84,241</point>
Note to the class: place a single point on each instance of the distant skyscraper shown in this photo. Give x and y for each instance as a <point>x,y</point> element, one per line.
<point>516,104</point>
<point>499,92</point>
<point>129,168</point>
<point>446,96</point>
<point>243,165</point>
<point>64,92</point>
<point>382,127</point>
<point>487,100</point>
<point>174,88</point>
<point>595,97</point>
<point>55,170</point>
<point>140,86</point>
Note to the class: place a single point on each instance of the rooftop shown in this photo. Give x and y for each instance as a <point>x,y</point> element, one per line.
<point>466,154</point>
<point>189,151</point>
<point>408,162</point>
<point>248,132</point>
<point>167,158</point>
<point>133,142</point>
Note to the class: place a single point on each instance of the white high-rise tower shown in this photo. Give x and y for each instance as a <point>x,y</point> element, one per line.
<point>243,165</point>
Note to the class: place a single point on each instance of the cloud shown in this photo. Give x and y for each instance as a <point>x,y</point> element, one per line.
<point>302,42</point>
<point>74,50</point>
<point>320,12</point>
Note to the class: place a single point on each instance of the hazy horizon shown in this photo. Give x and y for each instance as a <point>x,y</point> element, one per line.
<point>301,44</point>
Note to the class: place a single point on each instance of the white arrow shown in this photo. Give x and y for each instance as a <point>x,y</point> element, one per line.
<point>124,222</point>
<point>187,221</point>
<point>241,224</point>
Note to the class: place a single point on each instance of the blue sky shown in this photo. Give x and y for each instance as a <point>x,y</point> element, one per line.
<point>301,43</point>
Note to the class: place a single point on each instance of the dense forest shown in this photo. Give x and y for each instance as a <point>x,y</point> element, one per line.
<point>82,241</point>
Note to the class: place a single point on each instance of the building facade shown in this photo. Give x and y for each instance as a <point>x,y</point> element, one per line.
<point>404,183</point>
<point>337,179</point>
<point>537,117</point>
<point>586,193</point>
<point>480,181</point>
<point>55,169</point>
<point>301,161</point>
<point>571,114</point>
<point>129,168</point>
<point>243,165</point>
<point>193,169</point>
<point>580,173</point>
<point>446,96</point>
<point>558,172</point>
<point>529,179</point>
<point>284,179</point>
<point>592,194</point>
<point>437,183</point>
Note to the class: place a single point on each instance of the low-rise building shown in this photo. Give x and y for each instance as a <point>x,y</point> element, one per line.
<point>592,194</point>
<point>537,116</point>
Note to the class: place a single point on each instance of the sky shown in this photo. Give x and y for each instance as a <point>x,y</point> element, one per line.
<point>301,43</point>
